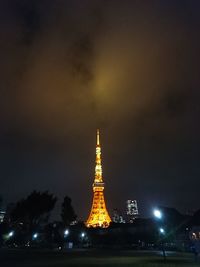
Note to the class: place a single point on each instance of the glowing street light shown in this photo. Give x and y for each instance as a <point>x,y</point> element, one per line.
<point>82,234</point>
<point>162,231</point>
<point>35,236</point>
<point>11,234</point>
<point>158,214</point>
<point>66,232</point>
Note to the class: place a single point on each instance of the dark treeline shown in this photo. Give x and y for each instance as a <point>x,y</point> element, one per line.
<point>31,215</point>
<point>27,224</point>
<point>35,210</point>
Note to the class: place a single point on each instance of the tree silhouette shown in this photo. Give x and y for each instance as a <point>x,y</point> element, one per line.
<point>1,200</point>
<point>67,214</point>
<point>34,209</point>
<point>195,220</point>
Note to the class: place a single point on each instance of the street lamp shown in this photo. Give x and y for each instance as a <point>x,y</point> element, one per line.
<point>66,232</point>
<point>162,231</point>
<point>35,236</point>
<point>11,234</point>
<point>83,237</point>
<point>82,234</point>
<point>157,214</point>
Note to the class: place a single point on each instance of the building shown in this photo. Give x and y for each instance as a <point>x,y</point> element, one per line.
<point>131,210</point>
<point>99,216</point>
<point>117,217</point>
<point>2,215</point>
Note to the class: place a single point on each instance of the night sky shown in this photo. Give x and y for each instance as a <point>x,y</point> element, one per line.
<point>130,68</point>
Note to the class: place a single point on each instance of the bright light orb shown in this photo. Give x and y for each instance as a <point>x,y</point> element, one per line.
<point>82,234</point>
<point>66,232</point>
<point>162,231</point>
<point>11,234</point>
<point>35,236</point>
<point>157,214</point>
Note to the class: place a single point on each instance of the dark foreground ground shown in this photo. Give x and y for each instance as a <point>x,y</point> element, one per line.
<point>83,258</point>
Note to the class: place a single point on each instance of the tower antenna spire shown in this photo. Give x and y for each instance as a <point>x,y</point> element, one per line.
<point>98,138</point>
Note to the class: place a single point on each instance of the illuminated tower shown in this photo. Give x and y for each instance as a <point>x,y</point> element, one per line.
<point>99,216</point>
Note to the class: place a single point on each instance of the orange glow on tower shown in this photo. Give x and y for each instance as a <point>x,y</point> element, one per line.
<point>99,216</point>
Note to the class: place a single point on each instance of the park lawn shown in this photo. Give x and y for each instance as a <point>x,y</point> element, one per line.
<point>89,258</point>
<point>128,261</point>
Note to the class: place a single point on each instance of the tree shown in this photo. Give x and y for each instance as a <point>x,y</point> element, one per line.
<point>67,214</point>
<point>195,221</point>
<point>1,200</point>
<point>34,209</point>
<point>171,217</point>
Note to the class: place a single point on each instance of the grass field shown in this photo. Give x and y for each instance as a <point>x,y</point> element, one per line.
<point>91,258</point>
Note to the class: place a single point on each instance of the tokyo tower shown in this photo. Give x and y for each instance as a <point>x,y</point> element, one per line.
<point>99,216</point>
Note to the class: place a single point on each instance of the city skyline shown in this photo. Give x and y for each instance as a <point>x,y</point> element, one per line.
<point>122,206</point>
<point>130,69</point>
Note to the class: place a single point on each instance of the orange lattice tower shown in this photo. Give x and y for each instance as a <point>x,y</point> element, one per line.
<point>99,216</point>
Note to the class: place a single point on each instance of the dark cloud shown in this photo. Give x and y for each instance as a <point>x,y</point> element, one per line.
<point>131,68</point>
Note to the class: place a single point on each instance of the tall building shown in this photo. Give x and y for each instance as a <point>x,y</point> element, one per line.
<point>131,210</point>
<point>99,216</point>
<point>2,215</point>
